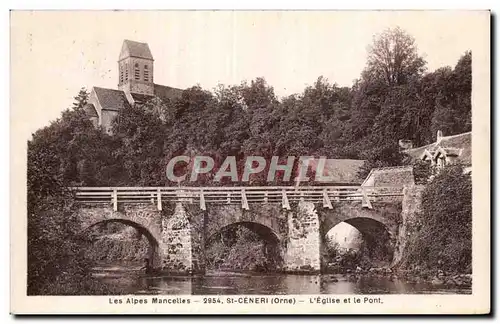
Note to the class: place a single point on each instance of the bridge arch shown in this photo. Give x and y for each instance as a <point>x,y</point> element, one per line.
<point>387,215</point>
<point>270,216</point>
<point>154,249</point>
<point>144,218</point>
<point>263,231</point>
<point>270,245</point>
<point>268,222</point>
<point>378,226</point>
<point>377,240</point>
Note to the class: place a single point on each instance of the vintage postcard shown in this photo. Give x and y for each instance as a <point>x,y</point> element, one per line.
<point>250,162</point>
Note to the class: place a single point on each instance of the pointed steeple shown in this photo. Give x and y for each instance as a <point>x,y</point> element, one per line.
<point>135,49</point>
<point>135,66</point>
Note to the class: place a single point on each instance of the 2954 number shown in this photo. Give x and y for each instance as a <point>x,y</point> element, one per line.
<point>212,300</point>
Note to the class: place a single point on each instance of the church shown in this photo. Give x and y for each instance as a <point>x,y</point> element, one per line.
<point>135,85</point>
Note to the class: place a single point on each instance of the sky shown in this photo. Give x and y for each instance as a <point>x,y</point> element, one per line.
<point>55,53</point>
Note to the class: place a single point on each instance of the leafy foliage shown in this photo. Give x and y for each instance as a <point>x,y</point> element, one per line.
<point>225,251</point>
<point>362,122</point>
<point>422,171</point>
<point>393,58</point>
<point>444,233</point>
<point>392,100</point>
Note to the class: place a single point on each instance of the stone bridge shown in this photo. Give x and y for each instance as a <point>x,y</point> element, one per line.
<point>294,221</point>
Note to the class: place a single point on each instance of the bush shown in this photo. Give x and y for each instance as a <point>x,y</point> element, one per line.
<point>443,239</point>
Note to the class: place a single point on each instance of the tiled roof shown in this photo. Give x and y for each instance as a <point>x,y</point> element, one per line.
<point>390,176</point>
<point>160,91</point>
<point>458,143</point>
<point>111,99</point>
<point>135,49</point>
<point>90,110</point>
<point>165,92</point>
<point>343,171</point>
<point>141,98</point>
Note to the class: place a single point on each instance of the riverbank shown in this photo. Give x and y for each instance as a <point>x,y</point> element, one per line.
<point>434,277</point>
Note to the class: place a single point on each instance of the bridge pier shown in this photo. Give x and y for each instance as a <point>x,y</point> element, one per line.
<point>411,205</point>
<point>178,225</point>
<point>181,241</point>
<point>302,253</point>
<point>176,241</point>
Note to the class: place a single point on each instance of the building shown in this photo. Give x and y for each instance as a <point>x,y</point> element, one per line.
<point>337,172</point>
<point>135,85</point>
<point>446,150</point>
<point>390,177</point>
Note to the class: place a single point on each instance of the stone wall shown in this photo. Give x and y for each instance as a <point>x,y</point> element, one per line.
<point>303,240</point>
<point>107,118</point>
<point>196,218</point>
<point>176,238</point>
<point>412,202</point>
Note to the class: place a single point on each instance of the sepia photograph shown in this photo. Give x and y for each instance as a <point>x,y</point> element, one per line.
<point>250,159</point>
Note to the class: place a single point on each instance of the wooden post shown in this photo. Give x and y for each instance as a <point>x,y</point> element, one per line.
<point>326,200</point>
<point>284,200</point>
<point>202,200</point>
<point>336,196</point>
<point>366,201</point>
<point>158,199</point>
<point>115,200</point>
<point>244,201</point>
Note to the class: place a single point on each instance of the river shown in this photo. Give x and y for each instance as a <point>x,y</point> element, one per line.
<point>129,280</point>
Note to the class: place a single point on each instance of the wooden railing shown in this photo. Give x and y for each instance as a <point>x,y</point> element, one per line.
<point>244,196</point>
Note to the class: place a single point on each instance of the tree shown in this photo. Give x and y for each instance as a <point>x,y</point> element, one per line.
<point>380,157</point>
<point>143,142</point>
<point>443,238</point>
<point>55,264</point>
<point>81,98</point>
<point>393,58</point>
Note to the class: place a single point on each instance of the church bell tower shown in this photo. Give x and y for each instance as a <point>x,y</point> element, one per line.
<point>135,69</point>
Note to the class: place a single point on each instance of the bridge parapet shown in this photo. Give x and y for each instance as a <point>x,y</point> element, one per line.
<point>244,196</point>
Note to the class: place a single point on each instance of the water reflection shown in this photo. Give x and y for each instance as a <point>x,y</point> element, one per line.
<point>135,282</point>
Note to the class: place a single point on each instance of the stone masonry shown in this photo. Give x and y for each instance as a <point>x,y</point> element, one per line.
<point>304,241</point>
<point>412,201</point>
<point>176,238</point>
<point>178,233</point>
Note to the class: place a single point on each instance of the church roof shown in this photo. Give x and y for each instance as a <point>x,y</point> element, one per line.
<point>459,145</point>
<point>165,92</point>
<point>160,91</point>
<point>135,49</point>
<point>140,98</point>
<point>111,99</point>
<point>90,110</point>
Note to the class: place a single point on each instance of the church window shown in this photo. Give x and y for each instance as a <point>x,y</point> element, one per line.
<point>126,71</point>
<point>121,73</point>
<point>146,73</point>
<point>137,73</point>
